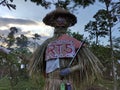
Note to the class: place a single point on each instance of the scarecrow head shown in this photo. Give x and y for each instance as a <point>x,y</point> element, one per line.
<point>60,18</point>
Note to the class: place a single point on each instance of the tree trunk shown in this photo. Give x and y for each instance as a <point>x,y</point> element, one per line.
<point>96,39</point>
<point>113,61</point>
<point>96,42</point>
<point>10,74</point>
<point>107,3</point>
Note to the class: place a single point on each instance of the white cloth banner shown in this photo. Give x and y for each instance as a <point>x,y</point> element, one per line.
<point>52,65</point>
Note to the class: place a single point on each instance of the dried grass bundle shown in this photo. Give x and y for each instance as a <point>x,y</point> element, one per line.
<point>37,62</point>
<point>90,68</point>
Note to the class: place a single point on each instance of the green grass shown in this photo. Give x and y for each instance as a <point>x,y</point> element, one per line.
<point>5,83</point>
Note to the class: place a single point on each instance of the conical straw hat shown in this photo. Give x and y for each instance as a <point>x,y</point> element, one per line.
<point>50,17</point>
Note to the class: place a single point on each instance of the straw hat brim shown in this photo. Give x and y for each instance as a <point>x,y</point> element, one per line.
<point>50,17</point>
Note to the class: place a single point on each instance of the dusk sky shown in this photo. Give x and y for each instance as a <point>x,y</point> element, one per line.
<point>28,18</point>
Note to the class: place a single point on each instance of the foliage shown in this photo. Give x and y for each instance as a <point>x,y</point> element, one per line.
<point>10,37</point>
<point>22,84</point>
<point>75,35</point>
<point>67,4</point>
<point>37,36</point>
<point>22,41</point>
<point>103,53</point>
<point>116,43</point>
<point>100,27</point>
<point>15,74</point>
<point>100,52</point>
<point>105,19</point>
<point>8,4</point>
<point>64,3</point>
<point>10,64</point>
<point>29,84</point>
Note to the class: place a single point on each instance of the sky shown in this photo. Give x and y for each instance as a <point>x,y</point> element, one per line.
<point>28,18</point>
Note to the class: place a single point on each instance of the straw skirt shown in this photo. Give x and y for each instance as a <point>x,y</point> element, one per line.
<point>90,67</point>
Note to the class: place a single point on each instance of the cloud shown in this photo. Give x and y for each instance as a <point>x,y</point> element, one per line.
<point>7,21</point>
<point>26,27</point>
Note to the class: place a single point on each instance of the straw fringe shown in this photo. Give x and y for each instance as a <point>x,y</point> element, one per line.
<point>52,84</point>
<point>90,68</point>
<point>37,62</point>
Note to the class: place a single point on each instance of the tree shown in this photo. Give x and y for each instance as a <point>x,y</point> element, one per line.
<point>22,41</point>
<point>75,35</point>
<point>116,43</point>
<point>35,38</point>
<point>100,27</point>
<point>105,19</point>
<point>8,4</point>
<point>96,29</point>
<point>10,37</point>
<point>67,4</point>
<point>111,19</point>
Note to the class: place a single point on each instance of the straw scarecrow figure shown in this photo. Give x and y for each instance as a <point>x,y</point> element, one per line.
<point>65,62</point>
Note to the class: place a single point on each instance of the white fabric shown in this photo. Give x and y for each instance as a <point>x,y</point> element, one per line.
<point>52,65</point>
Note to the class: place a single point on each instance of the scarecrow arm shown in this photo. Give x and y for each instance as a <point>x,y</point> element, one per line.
<point>67,71</point>
<point>4,50</point>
